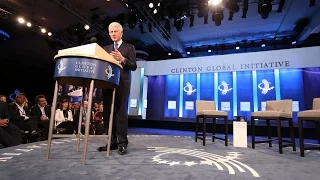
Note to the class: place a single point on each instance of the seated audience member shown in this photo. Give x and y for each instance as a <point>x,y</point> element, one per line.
<point>95,107</point>
<point>10,134</point>
<point>3,98</point>
<point>98,119</point>
<point>21,116</point>
<point>42,112</point>
<point>84,117</point>
<point>63,117</point>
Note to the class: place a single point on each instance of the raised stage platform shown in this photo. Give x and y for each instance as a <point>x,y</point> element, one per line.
<point>153,157</point>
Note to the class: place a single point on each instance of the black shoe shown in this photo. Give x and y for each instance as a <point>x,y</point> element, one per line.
<point>105,148</point>
<point>122,150</point>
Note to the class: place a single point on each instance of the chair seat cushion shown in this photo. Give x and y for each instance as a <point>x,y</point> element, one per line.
<point>212,113</point>
<point>309,113</point>
<point>270,114</point>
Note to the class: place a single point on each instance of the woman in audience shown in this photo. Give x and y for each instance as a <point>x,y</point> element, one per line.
<point>98,119</point>
<point>64,117</point>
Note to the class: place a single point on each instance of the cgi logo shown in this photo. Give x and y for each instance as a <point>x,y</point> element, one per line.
<point>189,89</point>
<point>265,86</point>
<point>61,67</point>
<point>109,72</point>
<point>224,88</point>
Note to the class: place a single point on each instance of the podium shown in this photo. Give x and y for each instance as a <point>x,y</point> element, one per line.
<point>87,66</point>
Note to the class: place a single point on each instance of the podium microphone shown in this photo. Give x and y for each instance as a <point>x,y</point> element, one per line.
<point>92,40</point>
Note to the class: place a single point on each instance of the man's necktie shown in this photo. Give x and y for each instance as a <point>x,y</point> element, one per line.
<point>115,46</point>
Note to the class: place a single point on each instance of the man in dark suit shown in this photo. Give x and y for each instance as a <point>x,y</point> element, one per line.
<point>21,116</point>
<point>42,113</point>
<point>125,54</point>
<point>10,134</point>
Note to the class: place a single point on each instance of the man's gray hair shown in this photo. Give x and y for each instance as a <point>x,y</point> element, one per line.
<point>117,25</point>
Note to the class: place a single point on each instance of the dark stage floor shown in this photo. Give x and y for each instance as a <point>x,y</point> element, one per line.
<point>152,156</point>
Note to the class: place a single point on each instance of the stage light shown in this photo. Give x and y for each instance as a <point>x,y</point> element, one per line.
<point>237,46</point>
<point>43,30</point>
<point>21,20</point>
<point>86,27</point>
<point>151,5</point>
<point>214,2</point>
<point>293,42</point>
<point>155,11</point>
<point>49,34</point>
<point>29,24</point>
<point>209,48</point>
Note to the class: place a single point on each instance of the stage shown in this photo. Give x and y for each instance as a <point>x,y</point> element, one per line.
<point>157,157</point>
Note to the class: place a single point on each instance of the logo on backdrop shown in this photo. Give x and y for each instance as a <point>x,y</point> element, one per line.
<point>189,89</point>
<point>61,67</point>
<point>109,72</point>
<point>224,88</point>
<point>265,87</point>
<point>201,158</point>
<point>14,94</point>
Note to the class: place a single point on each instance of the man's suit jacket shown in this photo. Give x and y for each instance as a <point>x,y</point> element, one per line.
<point>36,112</point>
<point>4,113</point>
<point>129,53</point>
<point>15,113</point>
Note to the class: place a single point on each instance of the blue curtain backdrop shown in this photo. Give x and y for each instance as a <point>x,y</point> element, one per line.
<point>291,87</point>
<point>172,93</point>
<point>189,95</point>
<point>155,97</point>
<point>266,89</point>
<point>244,102</point>
<point>241,92</point>
<point>207,86</point>
<point>225,93</point>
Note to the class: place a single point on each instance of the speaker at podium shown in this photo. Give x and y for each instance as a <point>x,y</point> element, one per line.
<point>87,66</point>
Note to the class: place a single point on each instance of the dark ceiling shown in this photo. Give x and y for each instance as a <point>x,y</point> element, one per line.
<point>66,19</point>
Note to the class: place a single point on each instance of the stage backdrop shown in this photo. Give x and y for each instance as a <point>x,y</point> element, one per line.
<point>239,84</point>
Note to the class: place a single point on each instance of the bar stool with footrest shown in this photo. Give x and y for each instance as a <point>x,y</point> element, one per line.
<point>278,110</point>
<point>309,115</point>
<point>207,109</point>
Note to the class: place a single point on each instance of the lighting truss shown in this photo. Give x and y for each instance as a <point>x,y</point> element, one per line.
<point>93,25</point>
<point>144,12</point>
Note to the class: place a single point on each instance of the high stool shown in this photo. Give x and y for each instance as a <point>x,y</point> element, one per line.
<point>207,109</point>
<point>278,110</point>
<point>309,115</point>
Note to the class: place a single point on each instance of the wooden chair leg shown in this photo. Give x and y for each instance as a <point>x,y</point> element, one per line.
<point>269,133</point>
<point>197,128</point>
<point>214,129</point>
<point>293,141</point>
<point>318,131</point>
<point>279,134</point>
<point>301,138</point>
<point>252,133</point>
<point>204,131</point>
<point>226,131</point>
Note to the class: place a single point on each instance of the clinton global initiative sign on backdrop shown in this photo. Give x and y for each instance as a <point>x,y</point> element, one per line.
<point>278,59</point>
<point>232,67</point>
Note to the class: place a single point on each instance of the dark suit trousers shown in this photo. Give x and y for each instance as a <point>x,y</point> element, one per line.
<point>45,126</point>
<point>120,116</point>
<point>10,135</point>
<point>30,124</point>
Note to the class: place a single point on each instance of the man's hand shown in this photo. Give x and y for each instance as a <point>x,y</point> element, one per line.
<point>43,118</point>
<point>3,123</point>
<point>117,55</point>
